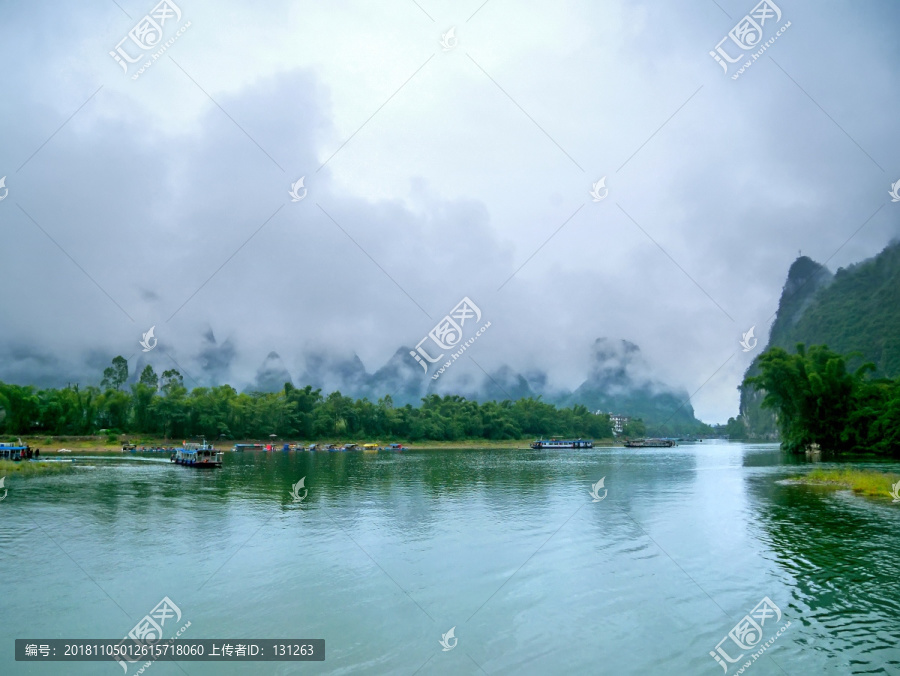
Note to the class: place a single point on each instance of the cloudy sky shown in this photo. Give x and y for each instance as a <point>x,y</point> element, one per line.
<point>432,171</point>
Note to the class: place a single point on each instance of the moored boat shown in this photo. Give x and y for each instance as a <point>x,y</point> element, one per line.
<point>371,448</point>
<point>202,456</point>
<point>547,444</point>
<point>649,443</point>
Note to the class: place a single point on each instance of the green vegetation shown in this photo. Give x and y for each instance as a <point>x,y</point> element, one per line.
<point>163,407</point>
<point>854,311</point>
<point>28,468</point>
<point>818,402</point>
<point>866,482</point>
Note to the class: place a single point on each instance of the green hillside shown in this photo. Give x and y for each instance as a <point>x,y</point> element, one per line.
<point>855,310</point>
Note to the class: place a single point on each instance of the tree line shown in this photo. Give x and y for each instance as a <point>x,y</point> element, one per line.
<point>817,400</point>
<point>161,406</point>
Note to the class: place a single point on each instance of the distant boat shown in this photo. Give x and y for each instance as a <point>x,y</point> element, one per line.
<point>12,452</point>
<point>562,443</point>
<point>394,447</point>
<point>248,447</point>
<point>650,443</point>
<point>370,448</point>
<point>201,456</point>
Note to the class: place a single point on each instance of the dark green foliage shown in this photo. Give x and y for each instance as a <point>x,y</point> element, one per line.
<point>857,310</point>
<point>817,401</point>
<point>293,413</point>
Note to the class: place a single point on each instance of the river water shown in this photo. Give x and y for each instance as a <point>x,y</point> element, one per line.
<point>387,552</point>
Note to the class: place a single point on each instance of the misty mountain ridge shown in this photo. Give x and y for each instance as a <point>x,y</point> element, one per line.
<point>619,380</point>
<point>856,309</point>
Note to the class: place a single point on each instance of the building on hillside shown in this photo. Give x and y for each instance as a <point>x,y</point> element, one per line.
<point>617,422</point>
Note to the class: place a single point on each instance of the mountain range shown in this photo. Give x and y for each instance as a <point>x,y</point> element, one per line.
<point>854,310</point>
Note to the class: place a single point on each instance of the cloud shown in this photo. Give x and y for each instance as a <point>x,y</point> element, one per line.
<point>163,201</point>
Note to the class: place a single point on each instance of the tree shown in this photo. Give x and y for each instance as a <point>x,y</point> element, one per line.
<point>149,378</point>
<point>813,396</point>
<point>171,379</point>
<point>634,428</point>
<point>115,376</point>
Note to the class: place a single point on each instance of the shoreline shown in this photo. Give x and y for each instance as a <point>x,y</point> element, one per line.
<point>100,445</point>
<point>867,482</point>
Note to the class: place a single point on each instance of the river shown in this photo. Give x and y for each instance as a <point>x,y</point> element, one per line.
<point>382,554</point>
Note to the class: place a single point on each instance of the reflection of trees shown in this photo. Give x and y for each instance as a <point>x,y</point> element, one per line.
<point>841,551</point>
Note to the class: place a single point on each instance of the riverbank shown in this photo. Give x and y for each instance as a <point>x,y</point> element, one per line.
<point>29,468</point>
<point>870,483</point>
<point>88,445</point>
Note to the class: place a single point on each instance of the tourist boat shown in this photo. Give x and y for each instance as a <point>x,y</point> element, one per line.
<point>371,448</point>
<point>394,447</point>
<point>549,444</point>
<point>349,447</point>
<point>649,443</point>
<point>201,456</point>
<point>248,447</point>
<point>12,452</point>
<point>313,447</point>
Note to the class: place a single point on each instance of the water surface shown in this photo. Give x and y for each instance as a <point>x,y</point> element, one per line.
<point>388,551</point>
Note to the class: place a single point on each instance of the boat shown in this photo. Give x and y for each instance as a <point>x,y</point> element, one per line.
<point>649,443</point>
<point>13,452</point>
<point>313,447</point>
<point>371,448</point>
<point>202,456</point>
<point>350,447</point>
<point>248,447</point>
<point>394,447</point>
<point>332,447</point>
<point>548,444</point>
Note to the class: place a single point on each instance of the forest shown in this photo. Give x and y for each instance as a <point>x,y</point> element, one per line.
<point>818,401</point>
<point>161,406</point>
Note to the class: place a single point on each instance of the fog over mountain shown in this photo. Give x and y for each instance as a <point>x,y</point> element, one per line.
<point>430,175</point>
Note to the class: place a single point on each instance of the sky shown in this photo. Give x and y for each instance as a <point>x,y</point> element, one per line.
<point>447,151</point>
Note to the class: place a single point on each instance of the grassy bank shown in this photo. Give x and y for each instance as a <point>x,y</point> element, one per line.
<point>83,445</point>
<point>866,482</point>
<point>27,468</point>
